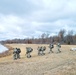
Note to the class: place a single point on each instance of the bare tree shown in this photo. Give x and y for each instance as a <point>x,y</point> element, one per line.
<point>61,35</point>
<point>74,39</point>
<point>69,37</point>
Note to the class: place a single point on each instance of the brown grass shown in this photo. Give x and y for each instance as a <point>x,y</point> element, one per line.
<point>63,63</point>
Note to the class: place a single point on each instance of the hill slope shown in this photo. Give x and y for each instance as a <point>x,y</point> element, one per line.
<point>50,64</point>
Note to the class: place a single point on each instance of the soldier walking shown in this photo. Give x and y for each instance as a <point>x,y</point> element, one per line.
<point>15,53</point>
<point>41,50</point>
<point>18,53</point>
<point>58,47</point>
<point>51,46</point>
<point>28,51</point>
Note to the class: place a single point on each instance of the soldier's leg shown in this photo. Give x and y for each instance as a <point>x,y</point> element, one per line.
<point>59,50</point>
<point>50,50</point>
<point>38,52</point>
<point>28,55</point>
<point>43,53</point>
<point>18,56</point>
<point>14,56</point>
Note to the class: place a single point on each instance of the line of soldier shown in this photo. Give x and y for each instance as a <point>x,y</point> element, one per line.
<point>40,49</point>
<point>58,46</point>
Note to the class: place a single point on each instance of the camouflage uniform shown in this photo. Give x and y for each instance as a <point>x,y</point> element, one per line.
<point>15,53</point>
<point>28,51</point>
<point>18,53</point>
<point>58,47</point>
<point>51,46</point>
<point>41,50</point>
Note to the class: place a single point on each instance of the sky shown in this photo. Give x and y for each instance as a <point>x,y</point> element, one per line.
<point>31,18</point>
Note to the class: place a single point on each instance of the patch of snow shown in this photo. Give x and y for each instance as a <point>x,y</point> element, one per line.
<point>3,48</point>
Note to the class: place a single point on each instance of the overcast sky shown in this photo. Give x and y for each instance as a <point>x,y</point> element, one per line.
<point>31,18</point>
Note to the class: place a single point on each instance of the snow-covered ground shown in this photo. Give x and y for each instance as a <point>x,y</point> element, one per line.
<point>3,48</point>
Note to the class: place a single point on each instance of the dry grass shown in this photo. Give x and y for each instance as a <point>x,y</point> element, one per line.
<point>63,63</point>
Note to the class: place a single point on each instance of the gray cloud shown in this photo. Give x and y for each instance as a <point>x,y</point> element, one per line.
<point>28,18</point>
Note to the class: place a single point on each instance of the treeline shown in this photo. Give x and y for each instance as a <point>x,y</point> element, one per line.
<point>63,37</point>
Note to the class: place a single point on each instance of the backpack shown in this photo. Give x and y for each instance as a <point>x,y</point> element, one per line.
<point>18,49</point>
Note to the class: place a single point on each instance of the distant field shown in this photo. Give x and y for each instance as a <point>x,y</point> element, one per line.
<point>63,63</point>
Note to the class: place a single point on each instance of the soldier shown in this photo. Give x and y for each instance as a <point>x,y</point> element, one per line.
<point>58,47</point>
<point>51,46</point>
<point>28,51</point>
<point>39,50</point>
<point>43,49</point>
<point>18,53</point>
<point>15,53</point>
